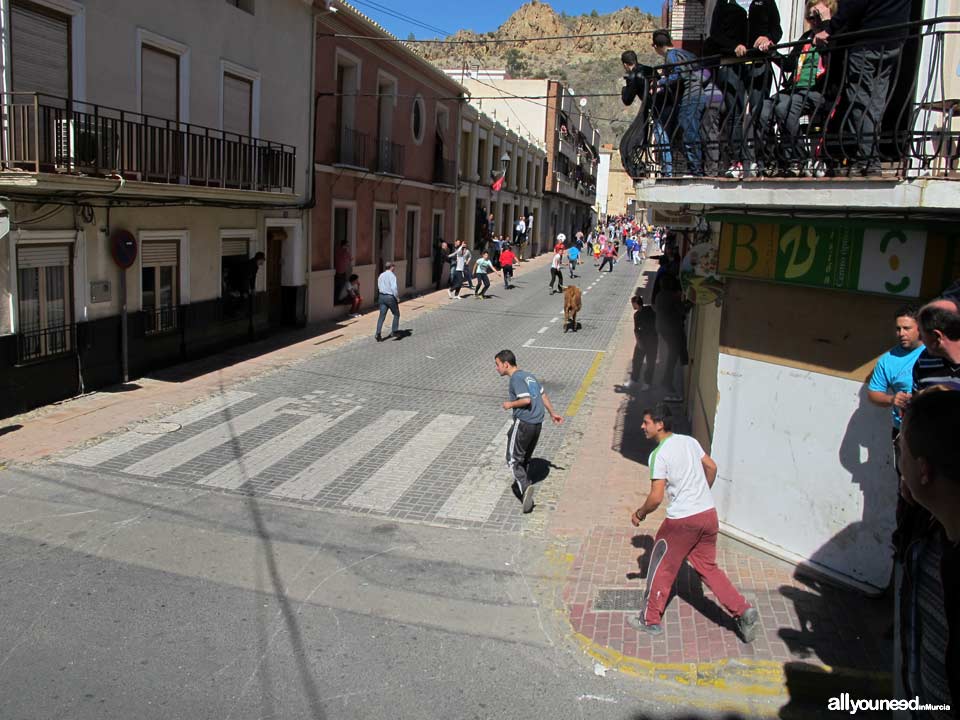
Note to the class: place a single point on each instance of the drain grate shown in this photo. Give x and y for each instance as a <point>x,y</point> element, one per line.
<point>618,599</point>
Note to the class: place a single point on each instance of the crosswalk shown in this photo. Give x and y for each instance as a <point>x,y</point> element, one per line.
<point>323,449</point>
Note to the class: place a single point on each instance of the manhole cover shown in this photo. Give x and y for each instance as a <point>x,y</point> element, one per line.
<point>618,599</point>
<point>157,428</point>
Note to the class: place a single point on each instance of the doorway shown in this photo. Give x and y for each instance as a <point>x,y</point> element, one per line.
<point>275,240</point>
<point>410,246</point>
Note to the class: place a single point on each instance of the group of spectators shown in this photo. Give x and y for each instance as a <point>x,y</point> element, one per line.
<point>731,109</point>
<point>919,380</point>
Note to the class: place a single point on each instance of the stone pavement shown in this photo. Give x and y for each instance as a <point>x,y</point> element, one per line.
<point>811,630</point>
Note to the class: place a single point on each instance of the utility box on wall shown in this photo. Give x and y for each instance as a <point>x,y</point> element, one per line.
<point>99,291</point>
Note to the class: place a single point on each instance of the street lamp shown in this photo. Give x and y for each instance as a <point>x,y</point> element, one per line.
<point>504,162</point>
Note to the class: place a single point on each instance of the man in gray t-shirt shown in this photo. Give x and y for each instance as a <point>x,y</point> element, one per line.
<point>529,403</point>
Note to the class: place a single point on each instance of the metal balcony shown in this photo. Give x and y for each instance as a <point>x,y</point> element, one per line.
<point>48,134</point>
<point>739,121</point>
<point>389,157</point>
<point>352,148</point>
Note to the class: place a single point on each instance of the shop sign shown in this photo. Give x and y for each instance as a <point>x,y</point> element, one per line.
<point>839,256</point>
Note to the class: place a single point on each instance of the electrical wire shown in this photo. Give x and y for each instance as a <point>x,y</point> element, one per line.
<point>400,16</point>
<point>487,41</point>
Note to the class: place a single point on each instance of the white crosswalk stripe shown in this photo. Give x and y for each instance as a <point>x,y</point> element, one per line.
<point>401,471</point>
<point>482,486</point>
<point>184,452</point>
<point>236,472</point>
<point>308,483</point>
<point>131,440</point>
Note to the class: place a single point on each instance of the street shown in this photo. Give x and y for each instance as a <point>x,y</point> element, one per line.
<point>336,539</point>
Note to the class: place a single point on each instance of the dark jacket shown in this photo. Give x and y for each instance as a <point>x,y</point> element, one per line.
<point>854,15</point>
<point>731,25</point>
<point>915,547</point>
<point>790,63</point>
<point>637,84</point>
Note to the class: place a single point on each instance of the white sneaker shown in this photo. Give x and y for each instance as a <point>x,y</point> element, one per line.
<point>627,384</point>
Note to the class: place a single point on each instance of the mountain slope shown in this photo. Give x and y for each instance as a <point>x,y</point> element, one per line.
<point>589,65</point>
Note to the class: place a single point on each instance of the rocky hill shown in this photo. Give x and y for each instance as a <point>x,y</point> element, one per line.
<point>586,64</point>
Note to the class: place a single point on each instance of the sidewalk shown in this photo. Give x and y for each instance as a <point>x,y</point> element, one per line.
<point>814,639</point>
<point>52,429</point>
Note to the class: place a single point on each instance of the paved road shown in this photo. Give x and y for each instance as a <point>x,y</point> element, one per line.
<point>257,560</point>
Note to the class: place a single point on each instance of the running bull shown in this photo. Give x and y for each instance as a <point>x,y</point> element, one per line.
<point>571,306</point>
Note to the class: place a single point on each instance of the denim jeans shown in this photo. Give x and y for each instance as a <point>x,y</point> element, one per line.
<point>744,88</point>
<point>869,71</point>
<point>661,145</point>
<point>483,284</point>
<point>388,302</point>
<point>788,107</point>
<point>507,276</point>
<point>688,120</point>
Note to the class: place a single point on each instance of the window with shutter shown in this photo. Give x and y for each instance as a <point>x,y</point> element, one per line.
<point>159,83</point>
<point>44,309</point>
<point>158,288</point>
<point>235,246</point>
<point>39,50</point>
<point>237,105</point>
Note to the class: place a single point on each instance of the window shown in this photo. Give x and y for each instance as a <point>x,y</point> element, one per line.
<point>412,232</point>
<point>245,5</point>
<point>158,285</point>
<point>416,120</point>
<point>159,83</point>
<point>351,145</point>
<point>40,50</point>
<point>44,301</point>
<point>238,273</point>
<point>237,105</point>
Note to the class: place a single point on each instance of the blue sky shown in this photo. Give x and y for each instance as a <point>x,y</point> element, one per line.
<point>480,16</point>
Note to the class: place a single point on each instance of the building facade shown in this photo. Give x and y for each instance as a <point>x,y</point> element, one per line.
<point>386,154</point>
<point>489,149</point>
<point>795,283</point>
<point>166,125</point>
<point>615,192</point>
<point>559,121</point>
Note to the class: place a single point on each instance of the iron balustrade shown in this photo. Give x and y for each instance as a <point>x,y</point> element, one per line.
<point>162,319</point>
<point>351,147</point>
<point>44,133</point>
<point>389,157</point>
<point>34,344</point>
<point>759,116</point>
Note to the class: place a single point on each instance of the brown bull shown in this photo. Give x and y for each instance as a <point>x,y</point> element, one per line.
<point>571,306</point>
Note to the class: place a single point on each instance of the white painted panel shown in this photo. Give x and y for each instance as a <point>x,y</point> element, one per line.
<point>122,444</point>
<point>401,471</point>
<point>182,453</point>
<point>805,468</point>
<point>236,472</point>
<point>483,484</point>
<point>308,483</point>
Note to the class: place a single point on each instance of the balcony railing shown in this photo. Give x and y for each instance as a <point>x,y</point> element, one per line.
<point>859,111</point>
<point>35,344</point>
<point>157,320</point>
<point>444,172</point>
<point>44,133</point>
<point>352,148</point>
<point>389,157</point>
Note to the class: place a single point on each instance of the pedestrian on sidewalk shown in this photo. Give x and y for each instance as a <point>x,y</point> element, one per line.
<point>573,255</point>
<point>681,470</point>
<point>457,259</point>
<point>481,269</point>
<point>389,300</point>
<point>556,268</point>
<point>645,350</point>
<point>507,259</point>
<point>669,318</point>
<point>529,402</point>
<point>467,260</point>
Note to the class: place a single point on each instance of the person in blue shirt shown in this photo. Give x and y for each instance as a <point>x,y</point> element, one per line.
<point>573,255</point>
<point>891,383</point>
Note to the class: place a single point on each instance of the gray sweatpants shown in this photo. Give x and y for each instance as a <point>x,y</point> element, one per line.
<point>521,442</point>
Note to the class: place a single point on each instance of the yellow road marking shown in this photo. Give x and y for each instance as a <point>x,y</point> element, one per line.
<point>584,386</point>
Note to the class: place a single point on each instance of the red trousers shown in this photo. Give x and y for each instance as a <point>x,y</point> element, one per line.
<point>355,304</point>
<point>693,539</point>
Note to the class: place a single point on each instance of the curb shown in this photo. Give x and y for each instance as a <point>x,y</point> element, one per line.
<point>796,681</point>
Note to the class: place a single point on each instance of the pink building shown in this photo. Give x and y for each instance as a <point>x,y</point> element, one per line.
<point>386,153</point>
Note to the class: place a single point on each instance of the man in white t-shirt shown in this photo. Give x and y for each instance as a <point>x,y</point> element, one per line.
<point>680,468</point>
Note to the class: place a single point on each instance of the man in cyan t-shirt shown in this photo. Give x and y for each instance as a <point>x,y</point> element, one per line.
<point>891,383</point>
<point>680,469</point>
<point>529,401</point>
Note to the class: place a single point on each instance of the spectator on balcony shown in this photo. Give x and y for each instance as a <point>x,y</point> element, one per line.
<point>342,263</point>
<point>870,65</point>
<point>682,85</point>
<point>635,142</point>
<point>743,31</point>
<point>805,73</point>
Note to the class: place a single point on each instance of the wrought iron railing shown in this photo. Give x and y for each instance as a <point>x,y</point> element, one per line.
<point>35,344</point>
<point>352,147</point>
<point>157,320</point>
<point>389,157</point>
<point>874,104</point>
<point>44,133</point>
